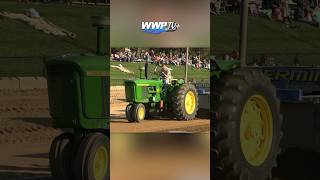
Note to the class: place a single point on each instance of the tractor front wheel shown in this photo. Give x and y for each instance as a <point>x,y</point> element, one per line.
<point>61,156</point>
<point>129,108</point>
<point>185,102</point>
<point>138,112</point>
<point>92,159</point>
<point>247,128</point>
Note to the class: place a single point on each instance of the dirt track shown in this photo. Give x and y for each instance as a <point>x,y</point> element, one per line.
<point>119,123</point>
<point>26,135</point>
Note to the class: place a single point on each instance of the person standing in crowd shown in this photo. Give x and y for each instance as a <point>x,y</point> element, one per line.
<point>146,56</point>
<point>316,16</point>
<point>299,12</point>
<point>285,11</point>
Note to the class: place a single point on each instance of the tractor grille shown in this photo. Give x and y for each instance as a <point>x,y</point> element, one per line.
<point>144,92</point>
<point>129,89</point>
<point>62,91</point>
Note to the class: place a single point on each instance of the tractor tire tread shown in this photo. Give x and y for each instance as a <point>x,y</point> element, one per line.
<point>178,102</point>
<point>229,161</point>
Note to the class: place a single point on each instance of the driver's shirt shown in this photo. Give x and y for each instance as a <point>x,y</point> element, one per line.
<point>164,74</point>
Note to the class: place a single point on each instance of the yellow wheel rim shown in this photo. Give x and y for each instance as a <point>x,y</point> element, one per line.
<point>190,102</point>
<point>256,130</point>
<point>100,163</point>
<point>141,113</point>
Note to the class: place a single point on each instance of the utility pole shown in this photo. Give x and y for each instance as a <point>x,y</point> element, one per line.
<point>186,67</point>
<point>243,33</point>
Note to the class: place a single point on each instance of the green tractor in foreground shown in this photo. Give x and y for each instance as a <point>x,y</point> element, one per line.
<point>78,89</point>
<point>246,118</point>
<point>246,124</point>
<point>147,97</point>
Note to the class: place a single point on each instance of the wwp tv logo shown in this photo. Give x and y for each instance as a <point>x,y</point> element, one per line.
<point>159,27</point>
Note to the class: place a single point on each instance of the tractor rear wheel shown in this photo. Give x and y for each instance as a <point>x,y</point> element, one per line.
<point>247,128</point>
<point>61,156</point>
<point>92,159</point>
<point>138,112</point>
<point>129,112</point>
<point>185,102</point>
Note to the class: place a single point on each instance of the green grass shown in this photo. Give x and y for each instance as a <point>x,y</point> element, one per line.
<point>19,39</point>
<point>118,77</point>
<point>266,37</point>
<point>22,67</point>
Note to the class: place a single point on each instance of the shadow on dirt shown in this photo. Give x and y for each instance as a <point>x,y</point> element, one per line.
<point>297,164</point>
<point>17,173</point>
<point>115,118</point>
<point>15,168</point>
<point>43,121</point>
<point>41,156</point>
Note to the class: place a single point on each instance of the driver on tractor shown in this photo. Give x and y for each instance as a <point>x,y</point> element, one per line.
<point>164,73</point>
<point>165,76</point>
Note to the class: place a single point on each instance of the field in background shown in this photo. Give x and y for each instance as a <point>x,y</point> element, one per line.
<point>19,39</point>
<point>22,66</point>
<point>267,37</point>
<point>117,76</point>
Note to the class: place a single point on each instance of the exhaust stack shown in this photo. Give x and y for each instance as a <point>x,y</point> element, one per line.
<point>100,22</point>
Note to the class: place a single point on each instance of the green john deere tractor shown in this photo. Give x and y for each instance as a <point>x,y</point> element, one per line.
<point>178,98</point>
<point>78,89</point>
<point>246,118</point>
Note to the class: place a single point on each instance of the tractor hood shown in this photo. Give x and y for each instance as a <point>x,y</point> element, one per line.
<point>145,82</point>
<point>86,64</point>
<point>143,90</point>
<point>227,65</point>
<point>220,66</point>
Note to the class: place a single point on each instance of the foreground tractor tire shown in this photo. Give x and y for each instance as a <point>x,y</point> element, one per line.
<point>92,159</point>
<point>129,112</point>
<point>61,157</point>
<point>138,112</point>
<point>247,129</point>
<point>185,102</point>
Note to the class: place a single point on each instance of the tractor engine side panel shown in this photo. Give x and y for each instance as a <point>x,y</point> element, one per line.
<point>62,99</point>
<point>143,91</point>
<point>129,91</point>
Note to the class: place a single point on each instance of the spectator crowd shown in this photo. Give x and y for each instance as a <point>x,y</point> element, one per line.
<point>285,11</point>
<point>175,57</point>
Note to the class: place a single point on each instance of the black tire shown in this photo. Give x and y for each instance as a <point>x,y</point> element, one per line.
<point>148,115</point>
<point>61,157</point>
<point>178,102</point>
<point>85,157</point>
<point>129,112</point>
<point>229,97</point>
<point>135,112</point>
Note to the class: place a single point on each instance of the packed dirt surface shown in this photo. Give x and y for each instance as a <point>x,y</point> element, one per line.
<point>119,123</point>
<point>25,116</point>
<point>26,135</point>
<point>27,160</point>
